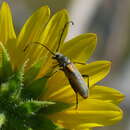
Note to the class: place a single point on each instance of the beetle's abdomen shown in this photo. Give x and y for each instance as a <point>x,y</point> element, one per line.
<point>76,80</point>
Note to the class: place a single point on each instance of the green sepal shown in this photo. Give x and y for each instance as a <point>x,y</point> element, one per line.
<point>19,73</point>
<point>32,72</point>
<point>35,89</point>
<point>43,123</point>
<point>5,67</point>
<point>57,107</point>
<point>16,124</point>
<point>2,119</point>
<point>18,78</point>
<point>30,107</point>
<point>13,86</point>
<point>6,89</point>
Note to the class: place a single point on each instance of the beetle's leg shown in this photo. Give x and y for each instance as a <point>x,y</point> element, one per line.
<point>76,101</point>
<point>48,76</point>
<point>54,72</point>
<point>61,69</point>
<point>54,66</point>
<point>86,76</point>
<point>79,63</point>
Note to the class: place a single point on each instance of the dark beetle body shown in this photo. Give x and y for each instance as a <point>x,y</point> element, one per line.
<point>75,78</point>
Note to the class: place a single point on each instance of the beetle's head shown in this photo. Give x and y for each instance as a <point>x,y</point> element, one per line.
<point>61,58</point>
<point>58,56</point>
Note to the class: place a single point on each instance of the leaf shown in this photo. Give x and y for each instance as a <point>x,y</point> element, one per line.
<point>32,72</point>
<point>12,88</point>
<point>16,82</point>
<point>35,89</point>
<point>2,119</point>
<point>30,107</point>
<point>4,89</point>
<point>43,123</point>
<point>15,123</point>
<point>57,107</point>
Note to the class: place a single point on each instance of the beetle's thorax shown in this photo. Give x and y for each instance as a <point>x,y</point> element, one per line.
<point>61,59</point>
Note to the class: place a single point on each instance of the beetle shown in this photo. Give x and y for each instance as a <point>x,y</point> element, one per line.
<point>76,80</point>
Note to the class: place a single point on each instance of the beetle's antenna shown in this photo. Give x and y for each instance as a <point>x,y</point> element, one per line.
<point>41,45</point>
<point>70,22</point>
<point>45,47</point>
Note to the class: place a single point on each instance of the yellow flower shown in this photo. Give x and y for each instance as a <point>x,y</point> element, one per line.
<point>58,98</point>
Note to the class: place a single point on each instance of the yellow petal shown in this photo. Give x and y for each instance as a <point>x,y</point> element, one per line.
<point>34,26</point>
<point>13,52</point>
<point>91,113</point>
<point>52,33</point>
<point>105,93</point>
<point>55,84</point>
<point>95,70</point>
<point>6,25</point>
<point>30,33</point>
<point>63,94</point>
<point>80,48</point>
<point>51,36</point>
<point>67,95</point>
<point>82,129</point>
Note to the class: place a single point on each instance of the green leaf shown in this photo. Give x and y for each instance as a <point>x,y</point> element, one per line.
<point>12,88</point>
<point>16,124</point>
<point>43,123</point>
<point>6,69</point>
<point>16,82</point>
<point>35,89</point>
<point>2,119</point>
<point>32,72</point>
<point>57,107</point>
<point>19,74</point>
<point>30,107</point>
<point>4,89</point>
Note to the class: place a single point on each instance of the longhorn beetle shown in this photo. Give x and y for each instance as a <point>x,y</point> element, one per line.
<point>76,80</point>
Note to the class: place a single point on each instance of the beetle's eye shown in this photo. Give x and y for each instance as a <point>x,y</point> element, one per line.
<point>53,57</point>
<point>57,56</point>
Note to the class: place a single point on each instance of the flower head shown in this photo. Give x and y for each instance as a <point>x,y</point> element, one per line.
<point>32,99</point>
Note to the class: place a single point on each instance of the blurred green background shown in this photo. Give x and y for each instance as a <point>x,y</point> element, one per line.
<point>110,20</point>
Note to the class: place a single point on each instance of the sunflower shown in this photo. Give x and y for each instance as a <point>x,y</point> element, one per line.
<point>31,98</point>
